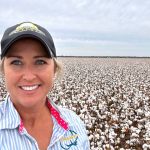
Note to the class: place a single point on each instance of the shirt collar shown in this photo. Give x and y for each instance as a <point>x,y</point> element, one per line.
<point>57,116</point>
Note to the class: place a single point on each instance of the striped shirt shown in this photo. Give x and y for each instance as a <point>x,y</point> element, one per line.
<point>69,131</point>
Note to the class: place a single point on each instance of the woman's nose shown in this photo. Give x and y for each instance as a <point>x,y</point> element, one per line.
<point>29,74</point>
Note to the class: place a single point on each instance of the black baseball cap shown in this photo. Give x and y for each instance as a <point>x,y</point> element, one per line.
<point>25,30</point>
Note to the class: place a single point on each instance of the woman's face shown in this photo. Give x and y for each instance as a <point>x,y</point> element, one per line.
<point>28,73</point>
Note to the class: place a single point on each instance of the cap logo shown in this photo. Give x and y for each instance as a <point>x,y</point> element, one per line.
<point>27,27</point>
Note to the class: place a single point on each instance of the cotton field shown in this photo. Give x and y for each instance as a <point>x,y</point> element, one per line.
<point>112,97</point>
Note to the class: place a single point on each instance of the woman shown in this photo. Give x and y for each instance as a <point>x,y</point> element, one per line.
<point>28,119</point>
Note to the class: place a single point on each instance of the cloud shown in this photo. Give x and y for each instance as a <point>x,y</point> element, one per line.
<point>112,21</point>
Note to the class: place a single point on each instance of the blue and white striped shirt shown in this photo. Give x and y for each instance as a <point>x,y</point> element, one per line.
<point>12,138</point>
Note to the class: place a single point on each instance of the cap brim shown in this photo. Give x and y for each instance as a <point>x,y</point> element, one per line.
<point>27,35</point>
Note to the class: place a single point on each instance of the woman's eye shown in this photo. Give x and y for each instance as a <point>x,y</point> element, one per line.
<point>16,62</point>
<point>40,62</point>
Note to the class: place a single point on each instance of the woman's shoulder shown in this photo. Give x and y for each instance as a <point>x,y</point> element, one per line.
<point>68,112</point>
<point>71,116</point>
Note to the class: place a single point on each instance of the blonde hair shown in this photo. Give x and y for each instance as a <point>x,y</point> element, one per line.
<point>58,68</point>
<point>1,66</point>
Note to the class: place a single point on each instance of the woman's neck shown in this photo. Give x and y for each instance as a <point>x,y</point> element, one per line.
<point>35,115</point>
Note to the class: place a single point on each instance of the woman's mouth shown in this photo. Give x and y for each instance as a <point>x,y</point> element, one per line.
<point>29,88</point>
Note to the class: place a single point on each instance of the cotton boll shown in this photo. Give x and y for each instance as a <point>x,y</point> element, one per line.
<point>97,136</point>
<point>146,146</point>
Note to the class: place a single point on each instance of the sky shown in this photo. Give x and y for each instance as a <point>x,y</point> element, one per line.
<point>86,27</point>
